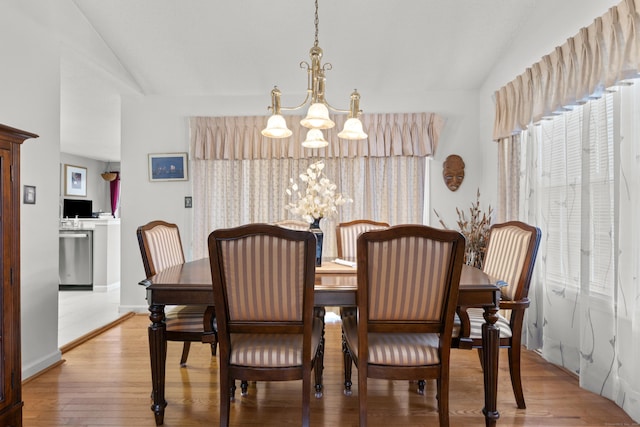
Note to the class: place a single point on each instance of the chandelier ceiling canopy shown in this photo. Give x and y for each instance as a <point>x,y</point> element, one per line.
<point>317,117</point>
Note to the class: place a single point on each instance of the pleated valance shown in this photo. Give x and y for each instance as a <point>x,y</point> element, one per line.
<point>237,138</point>
<point>599,56</point>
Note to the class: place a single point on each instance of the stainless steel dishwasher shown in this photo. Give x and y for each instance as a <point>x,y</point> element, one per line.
<point>76,260</point>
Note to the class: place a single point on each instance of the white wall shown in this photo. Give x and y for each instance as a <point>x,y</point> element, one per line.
<point>30,100</point>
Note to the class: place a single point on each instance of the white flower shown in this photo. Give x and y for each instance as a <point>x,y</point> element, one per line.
<point>319,199</point>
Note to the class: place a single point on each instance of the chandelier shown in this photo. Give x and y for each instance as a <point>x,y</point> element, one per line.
<point>318,113</point>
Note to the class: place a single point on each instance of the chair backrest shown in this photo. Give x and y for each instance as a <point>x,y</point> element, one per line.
<point>160,246</point>
<point>408,279</point>
<point>347,235</point>
<point>262,275</point>
<point>511,255</point>
<point>293,224</point>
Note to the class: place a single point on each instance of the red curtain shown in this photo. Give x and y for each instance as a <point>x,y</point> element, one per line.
<point>115,194</point>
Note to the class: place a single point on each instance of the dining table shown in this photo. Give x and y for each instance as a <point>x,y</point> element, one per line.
<point>335,286</point>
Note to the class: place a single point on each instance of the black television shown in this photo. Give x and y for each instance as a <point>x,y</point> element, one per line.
<point>73,207</point>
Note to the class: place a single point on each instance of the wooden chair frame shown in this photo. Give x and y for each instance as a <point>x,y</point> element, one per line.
<point>443,327</point>
<point>229,372</point>
<point>209,334</point>
<point>517,308</point>
<point>364,222</point>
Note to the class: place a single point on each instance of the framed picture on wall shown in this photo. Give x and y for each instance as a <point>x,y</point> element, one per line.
<point>75,181</point>
<point>168,167</point>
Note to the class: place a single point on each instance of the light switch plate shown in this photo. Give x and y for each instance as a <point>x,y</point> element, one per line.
<point>188,202</point>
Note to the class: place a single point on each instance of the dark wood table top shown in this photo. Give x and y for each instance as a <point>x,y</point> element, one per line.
<point>336,284</point>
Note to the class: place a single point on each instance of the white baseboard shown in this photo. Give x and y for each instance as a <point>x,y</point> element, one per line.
<point>41,364</point>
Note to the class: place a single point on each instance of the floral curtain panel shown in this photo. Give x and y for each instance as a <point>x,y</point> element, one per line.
<point>600,55</point>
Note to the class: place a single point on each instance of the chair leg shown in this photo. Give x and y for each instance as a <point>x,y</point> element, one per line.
<point>244,388</point>
<point>185,353</point>
<point>516,378</point>
<point>318,367</point>
<point>443,402</point>
<point>226,395</point>
<point>421,384</point>
<point>318,363</point>
<point>362,395</point>
<point>306,398</point>
<point>348,362</point>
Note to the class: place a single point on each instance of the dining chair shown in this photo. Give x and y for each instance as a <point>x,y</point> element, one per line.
<point>293,224</point>
<point>346,239</point>
<point>347,235</point>
<point>263,287</point>
<point>509,260</point>
<point>161,247</point>
<point>408,280</point>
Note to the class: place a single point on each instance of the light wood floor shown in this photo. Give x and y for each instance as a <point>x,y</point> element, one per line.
<point>106,382</point>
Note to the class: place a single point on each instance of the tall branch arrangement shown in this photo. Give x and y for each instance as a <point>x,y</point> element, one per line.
<point>475,229</point>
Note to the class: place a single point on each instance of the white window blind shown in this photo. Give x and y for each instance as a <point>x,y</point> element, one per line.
<point>576,151</point>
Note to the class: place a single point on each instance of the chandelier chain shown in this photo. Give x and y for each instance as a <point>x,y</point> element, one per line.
<point>316,22</point>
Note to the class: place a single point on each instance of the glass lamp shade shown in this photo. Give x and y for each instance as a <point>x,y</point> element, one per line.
<point>276,127</point>
<point>315,139</point>
<point>352,130</point>
<point>317,117</point>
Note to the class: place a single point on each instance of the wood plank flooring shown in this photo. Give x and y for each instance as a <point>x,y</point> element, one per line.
<point>106,381</point>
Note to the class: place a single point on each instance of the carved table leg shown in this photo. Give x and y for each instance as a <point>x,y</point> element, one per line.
<point>158,353</point>
<point>319,366</point>
<point>491,347</point>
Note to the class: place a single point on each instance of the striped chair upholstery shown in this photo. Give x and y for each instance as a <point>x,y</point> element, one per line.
<point>347,235</point>
<point>164,246</point>
<point>161,248</point>
<point>408,279</point>
<point>293,224</point>
<point>509,260</point>
<point>263,278</point>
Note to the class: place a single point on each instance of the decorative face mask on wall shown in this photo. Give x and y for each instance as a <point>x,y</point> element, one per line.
<point>453,171</point>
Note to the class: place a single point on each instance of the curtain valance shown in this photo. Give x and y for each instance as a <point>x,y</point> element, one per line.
<point>599,56</point>
<point>236,138</point>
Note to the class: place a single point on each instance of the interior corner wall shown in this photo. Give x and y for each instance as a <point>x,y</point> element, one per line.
<point>30,100</point>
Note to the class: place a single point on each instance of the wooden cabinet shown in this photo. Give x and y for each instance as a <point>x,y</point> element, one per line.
<point>10,363</point>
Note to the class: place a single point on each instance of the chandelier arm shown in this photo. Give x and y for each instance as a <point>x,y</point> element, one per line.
<point>305,102</point>
<point>337,110</point>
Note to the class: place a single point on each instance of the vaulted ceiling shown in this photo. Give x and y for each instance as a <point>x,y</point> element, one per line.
<point>243,48</point>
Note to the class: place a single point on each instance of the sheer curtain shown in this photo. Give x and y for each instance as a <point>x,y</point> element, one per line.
<point>581,185</point>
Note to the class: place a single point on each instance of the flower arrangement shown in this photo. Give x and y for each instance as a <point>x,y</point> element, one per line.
<point>475,229</point>
<point>319,199</point>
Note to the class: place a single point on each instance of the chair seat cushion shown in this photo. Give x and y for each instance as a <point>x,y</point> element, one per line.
<point>272,350</point>
<point>186,318</point>
<point>476,320</point>
<point>396,349</point>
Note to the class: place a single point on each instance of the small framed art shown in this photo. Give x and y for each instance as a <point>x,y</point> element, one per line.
<point>168,167</point>
<point>75,181</point>
<point>29,195</point>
